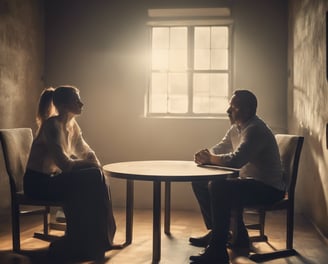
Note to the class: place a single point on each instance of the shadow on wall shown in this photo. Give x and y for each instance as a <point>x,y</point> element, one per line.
<point>4,188</point>
<point>312,186</point>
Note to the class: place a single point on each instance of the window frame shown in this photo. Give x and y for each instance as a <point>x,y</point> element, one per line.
<point>190,23</point>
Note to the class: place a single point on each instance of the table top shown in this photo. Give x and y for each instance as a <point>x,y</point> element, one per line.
<point>166,170</point>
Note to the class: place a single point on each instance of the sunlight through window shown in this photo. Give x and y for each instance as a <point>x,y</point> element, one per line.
<point>190,69</point>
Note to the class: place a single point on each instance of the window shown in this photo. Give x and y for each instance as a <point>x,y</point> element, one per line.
<point>190,68</point>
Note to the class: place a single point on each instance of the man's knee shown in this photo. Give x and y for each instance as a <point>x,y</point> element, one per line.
<point>222,188</point>
<point>199,185</point>
<point>218,185</point>
<point>226,192</point>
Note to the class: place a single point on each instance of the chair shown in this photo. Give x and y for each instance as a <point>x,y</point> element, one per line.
<point>290,147</point>
<point>16,144</point>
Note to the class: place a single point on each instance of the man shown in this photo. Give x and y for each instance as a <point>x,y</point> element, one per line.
<point>250,145</point>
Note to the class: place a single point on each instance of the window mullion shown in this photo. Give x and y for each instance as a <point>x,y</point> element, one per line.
<point>190,69</point>
<point>230,62</point>
<point>168,75</point>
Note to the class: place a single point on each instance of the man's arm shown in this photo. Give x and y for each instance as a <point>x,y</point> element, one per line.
<point>210,156</point>
<point>250,145</point>
<point>224,146</point>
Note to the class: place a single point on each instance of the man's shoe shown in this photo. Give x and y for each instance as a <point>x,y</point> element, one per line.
<point>202,241</point>
<point>211,255</point>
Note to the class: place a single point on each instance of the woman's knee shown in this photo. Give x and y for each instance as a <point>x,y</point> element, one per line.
<point>91,176</point>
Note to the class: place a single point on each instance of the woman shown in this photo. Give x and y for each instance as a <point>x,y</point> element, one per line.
<point>62,167</point>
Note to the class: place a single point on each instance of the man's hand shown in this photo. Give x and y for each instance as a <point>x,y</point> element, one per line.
<point>203,157</point>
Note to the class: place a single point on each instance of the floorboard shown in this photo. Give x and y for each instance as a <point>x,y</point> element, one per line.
<point>175,248</point>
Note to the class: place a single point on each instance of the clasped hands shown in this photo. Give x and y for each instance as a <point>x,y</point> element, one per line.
<point>203,157</point>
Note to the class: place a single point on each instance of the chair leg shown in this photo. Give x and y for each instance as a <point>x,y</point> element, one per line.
<point>290,227</point>
<point>262,222</point>
<point>260,227</point>
<point>45,235</point>
<point>15,227</point>
<point>289,251</point>
<point>46,220</point>
<point>260,257</point>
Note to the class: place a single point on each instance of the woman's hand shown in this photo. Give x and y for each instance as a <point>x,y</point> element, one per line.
<point>83,164</point>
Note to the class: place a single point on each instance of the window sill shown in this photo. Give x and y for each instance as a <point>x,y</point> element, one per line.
<point>223,117</point>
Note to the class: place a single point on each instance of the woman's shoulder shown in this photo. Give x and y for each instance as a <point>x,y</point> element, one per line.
<point>52,121</point>
<point>52,124</point>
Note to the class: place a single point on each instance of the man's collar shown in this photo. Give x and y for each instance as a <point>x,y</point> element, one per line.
<point>242,126</point>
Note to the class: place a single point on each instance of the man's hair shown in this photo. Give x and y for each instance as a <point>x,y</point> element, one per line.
<point>246,99</point>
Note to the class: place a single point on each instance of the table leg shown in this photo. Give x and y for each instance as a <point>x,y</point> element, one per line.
<point>167,213</point>
<point>156,221</point>
<point>129,211</point>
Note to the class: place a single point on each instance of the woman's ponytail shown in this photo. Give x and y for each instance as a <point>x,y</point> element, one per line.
<point>46,108</point>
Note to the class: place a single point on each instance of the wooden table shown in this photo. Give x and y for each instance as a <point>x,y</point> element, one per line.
<point>159,171</point>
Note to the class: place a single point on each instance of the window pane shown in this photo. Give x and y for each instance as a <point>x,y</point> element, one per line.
<point>211,48</point>
<point>178,83</point>
<point>160,38</point>
<point>158,104</point>
<point>160,59</point>
<point>178,93</point>
<point>219,59</point>
<point>201,104</point>
<point>219,85</point>
<point>202,38</point>
<point>160,48</point>
<point>159,83</point>
<point>158,95</point>
<point>219,37</point>
<point>178,38</point>
<point>178,104</point>
<point>201,93</point>
<point>202,59</point>
<point>178,48</point>
<point>218,105</point>
<point>202,48</point>
<point>212,105</point>
<point>178,60</point>
<point>210,93</point>
<point>201,84</point>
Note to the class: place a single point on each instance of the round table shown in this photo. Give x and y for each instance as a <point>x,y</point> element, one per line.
<point>159,171</point>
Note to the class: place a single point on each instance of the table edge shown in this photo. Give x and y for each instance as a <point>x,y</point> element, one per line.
<point>177,178</point>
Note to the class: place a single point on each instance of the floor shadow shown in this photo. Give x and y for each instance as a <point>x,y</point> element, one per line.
<point>9,257</point>
<point>39,256</point>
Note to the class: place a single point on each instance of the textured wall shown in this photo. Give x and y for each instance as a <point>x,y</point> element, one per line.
<point>102,46</point>
<point>21,67</point>
<point>308,98</point>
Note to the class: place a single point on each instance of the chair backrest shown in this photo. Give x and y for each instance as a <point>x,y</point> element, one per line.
<point>290,147</point>
<point>16,144</point>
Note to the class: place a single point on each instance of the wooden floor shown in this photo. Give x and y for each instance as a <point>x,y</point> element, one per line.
<point>175,249</point>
